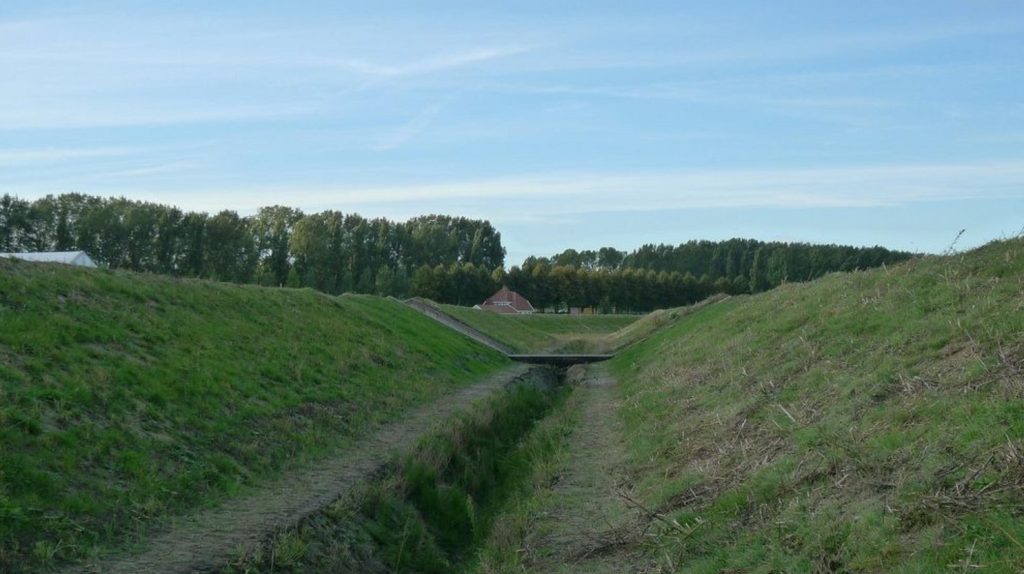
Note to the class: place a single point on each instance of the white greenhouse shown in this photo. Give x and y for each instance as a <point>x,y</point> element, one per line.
<point>80,258</point>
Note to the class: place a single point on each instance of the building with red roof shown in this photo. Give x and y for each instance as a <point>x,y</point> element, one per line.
<point>507,302</point>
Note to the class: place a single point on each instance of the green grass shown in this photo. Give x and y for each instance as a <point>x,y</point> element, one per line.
<point>652,322</point>
<point>548,445</point>
<point>543,332</point>
<point>430,508</point>
<point>129,398</point>
<point>871,421</point>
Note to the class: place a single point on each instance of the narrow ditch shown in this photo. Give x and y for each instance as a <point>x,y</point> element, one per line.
<point>426,511</point>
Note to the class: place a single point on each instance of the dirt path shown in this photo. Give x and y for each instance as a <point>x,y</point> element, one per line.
<point>213,538</point>
<point>451,322</point>
<point>582,528</point>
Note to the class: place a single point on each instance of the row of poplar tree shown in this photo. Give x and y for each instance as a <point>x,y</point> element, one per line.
<point>277,246</point>
<point>660,276</point>
<point>447,259</point>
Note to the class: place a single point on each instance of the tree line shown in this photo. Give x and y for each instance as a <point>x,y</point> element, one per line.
<point>659,276</point>
<point>277,246</point>
<point>447,259</point>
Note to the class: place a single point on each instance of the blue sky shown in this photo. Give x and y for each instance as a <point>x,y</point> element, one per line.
<point>567,124</point>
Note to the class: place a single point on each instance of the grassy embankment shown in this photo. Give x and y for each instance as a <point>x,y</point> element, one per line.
<point>126,399</point>
<point>870,421</point>
<point>648,324</point>
<point>544,332</point>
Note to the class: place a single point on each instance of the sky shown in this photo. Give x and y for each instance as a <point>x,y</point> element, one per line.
<point>566,124</point>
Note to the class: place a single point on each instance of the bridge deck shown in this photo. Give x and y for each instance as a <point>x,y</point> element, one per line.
<point>559,360</point>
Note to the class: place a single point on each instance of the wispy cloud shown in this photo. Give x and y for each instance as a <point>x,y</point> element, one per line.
<point>105,42</point>
<point>72,115</point>
<point>562,195</point>
<point>862,186</point>
<point>88,73</point>
<point>722,93</point>
<point>35,156</point>
<point>433,64</point>
<point>145,171</point>
<point>765,47</point>
<point>410,130</point>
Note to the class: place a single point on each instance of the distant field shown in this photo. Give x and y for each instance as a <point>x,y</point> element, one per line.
<point>864,422</point>
<point>542,332</point>
<point>128,398</point>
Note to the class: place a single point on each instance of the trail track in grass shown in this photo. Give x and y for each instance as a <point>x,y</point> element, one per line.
<point>210,539</point>
<point>586,520</point>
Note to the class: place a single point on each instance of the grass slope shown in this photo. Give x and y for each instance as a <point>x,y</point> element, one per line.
<point>126,398</point>
<point>542,332</point>
<point>648,324</point>
<point>869,422</point>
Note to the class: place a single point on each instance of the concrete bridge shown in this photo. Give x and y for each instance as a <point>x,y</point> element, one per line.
<point>558,360</point>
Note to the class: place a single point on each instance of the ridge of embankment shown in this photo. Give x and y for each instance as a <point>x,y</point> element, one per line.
<point>437,314</point>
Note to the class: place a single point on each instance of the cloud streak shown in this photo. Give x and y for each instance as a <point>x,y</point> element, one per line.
<point>36,156</point>
<point>441,63</point>
<point>410,130</point>
<point>568,194</point>
<point>130,114</point>
<point>881,185</point>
